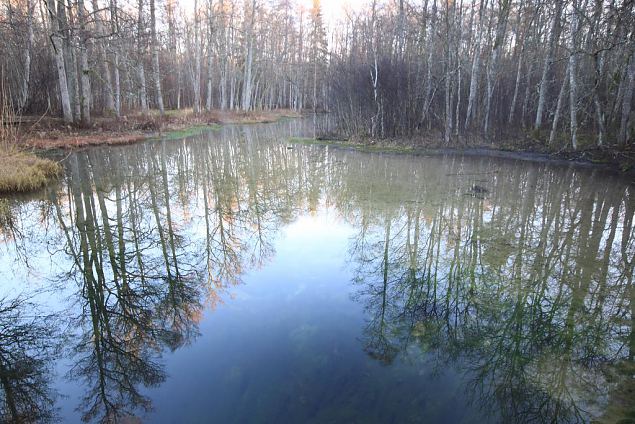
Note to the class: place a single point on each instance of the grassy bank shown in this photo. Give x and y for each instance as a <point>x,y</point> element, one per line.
<point>622,160</point>
<point>20,170</point>
<point>51,133</point>
<point>23,172</point>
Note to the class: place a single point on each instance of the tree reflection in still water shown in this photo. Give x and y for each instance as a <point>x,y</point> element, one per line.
<point>29,345</point>
<point>526,287</point>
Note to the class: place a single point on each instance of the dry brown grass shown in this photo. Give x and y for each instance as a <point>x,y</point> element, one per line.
<point>23,172</point>
<point>51,133</point>
<point>20,171</point>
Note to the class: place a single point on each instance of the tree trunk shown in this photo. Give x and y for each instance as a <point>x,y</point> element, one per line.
<point>624,136</point>
<point>85,99</point>
<point>249,58</point>
<point>553,39</point>
<point>556,115</point>
<point>476,67</point>
<point>501,27</point>
<point>448,87</point>
<point>210,51</point>
<point>56,41</point>
<point>114,26</point>
<point>573,82</point>
<point>143,92</point>
<point>26,76</point>
<point>197,60</point>
<point>599,112</point>
<point>67,24</point>
<point>156,74</point>
<point>103,60</point>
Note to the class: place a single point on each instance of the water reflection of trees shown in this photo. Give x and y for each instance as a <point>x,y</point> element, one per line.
<point>28,347</point>
<point>530,291</point>
<point>153,233</point>
<point>134,298</point>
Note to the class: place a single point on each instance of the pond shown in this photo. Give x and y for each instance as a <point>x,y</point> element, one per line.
<point>235,277</point>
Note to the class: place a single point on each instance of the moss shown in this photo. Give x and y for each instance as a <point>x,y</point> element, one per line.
<point>24,172</point>
<point>191,131</point>
<point>379,148</point>
<point>306,140</point>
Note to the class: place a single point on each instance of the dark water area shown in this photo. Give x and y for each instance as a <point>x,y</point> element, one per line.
<point>233,277</point>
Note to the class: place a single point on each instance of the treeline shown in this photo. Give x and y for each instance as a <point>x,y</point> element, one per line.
<point>78,58</point>
<point>562,70</point>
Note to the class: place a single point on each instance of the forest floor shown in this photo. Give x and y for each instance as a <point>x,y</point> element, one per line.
<point>45,133</point>
<point>529,147</point>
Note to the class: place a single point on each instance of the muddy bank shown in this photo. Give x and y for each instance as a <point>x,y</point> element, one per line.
<point>51,133</point>
<point>22,171</point>
<point>619,161</point>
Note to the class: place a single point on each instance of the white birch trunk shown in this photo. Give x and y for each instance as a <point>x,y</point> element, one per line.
<point>143,92</point>
<point>103,61</point>
<point>559,104</point>
<point>210,51</point>
<point>26,76</point>
<point>156,74</point>
<point>624,136</point>
<point>553,39</point>
<point>573,82</point>
<point>501,28</point>
<point>117,82</point>
<point>196,81</point>
<point>58,51</point>
<point>476,68</point>
<point>249,57</point>
<point>85,97</point>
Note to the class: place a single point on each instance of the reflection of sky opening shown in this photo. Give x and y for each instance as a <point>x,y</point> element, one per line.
<point>338,277</point>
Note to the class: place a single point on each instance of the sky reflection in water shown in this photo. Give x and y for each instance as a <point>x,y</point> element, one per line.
<point>229,278</point>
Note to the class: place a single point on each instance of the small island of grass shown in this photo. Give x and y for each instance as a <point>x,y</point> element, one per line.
<point>23,172</point>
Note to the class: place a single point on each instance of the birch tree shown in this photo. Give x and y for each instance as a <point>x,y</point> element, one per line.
<point>554,35</point>
<point>141,74</point>
<point>53,9</point>
<point>196,79</point>
<point>156,74</point>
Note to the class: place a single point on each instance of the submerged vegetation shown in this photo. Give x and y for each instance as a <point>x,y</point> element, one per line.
<point>624,162</point>
<point>189,132</point>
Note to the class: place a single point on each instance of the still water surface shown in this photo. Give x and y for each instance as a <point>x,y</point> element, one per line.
<point>231,278</point>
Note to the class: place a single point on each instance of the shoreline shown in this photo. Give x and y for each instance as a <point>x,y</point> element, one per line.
<point>29,164</point>
<point>38,144</point>
<point>54,135</point>
<point>582,158</point>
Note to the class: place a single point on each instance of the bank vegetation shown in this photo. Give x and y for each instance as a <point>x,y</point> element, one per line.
<point>545,75</point>
<point>20,169</point>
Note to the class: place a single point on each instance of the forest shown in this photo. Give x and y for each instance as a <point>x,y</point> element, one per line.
<point>325,211</point>
<point>559,74</point>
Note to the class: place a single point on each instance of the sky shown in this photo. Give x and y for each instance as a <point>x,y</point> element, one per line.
<point>333,10</point>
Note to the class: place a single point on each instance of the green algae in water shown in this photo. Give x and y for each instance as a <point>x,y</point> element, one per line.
<point>190,131</point>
